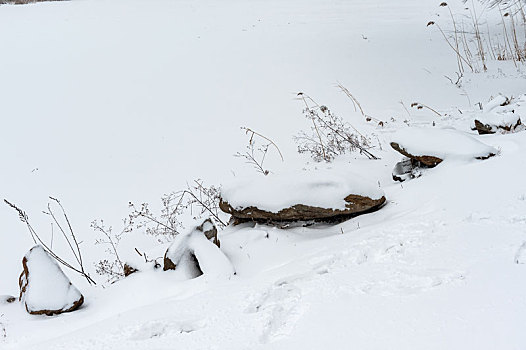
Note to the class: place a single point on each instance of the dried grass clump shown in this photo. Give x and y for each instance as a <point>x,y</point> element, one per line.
<point>474,46</point>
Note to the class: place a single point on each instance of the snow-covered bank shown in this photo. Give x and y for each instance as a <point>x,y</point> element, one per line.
<point>106,101</point>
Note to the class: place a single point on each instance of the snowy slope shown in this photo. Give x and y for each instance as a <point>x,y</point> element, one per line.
<point>106,101</point>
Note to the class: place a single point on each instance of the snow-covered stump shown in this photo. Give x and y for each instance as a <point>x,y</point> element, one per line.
<point>321,195</point>
<point>430,146</point>
<point>44,288</point>
<point>198,252</point>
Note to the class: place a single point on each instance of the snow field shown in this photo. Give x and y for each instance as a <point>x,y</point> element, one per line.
<point>106,101</point>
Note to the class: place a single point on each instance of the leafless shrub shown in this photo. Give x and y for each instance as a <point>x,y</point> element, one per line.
<point>255,155</point>
<point>67,232</point>
<point>330,136</point>
<point>112,267</point>
<point>197,201</point>
<point>204,201</point>
<point>164,226</point>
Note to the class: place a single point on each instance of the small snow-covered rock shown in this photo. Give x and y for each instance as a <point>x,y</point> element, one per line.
<point>322,195</point>
<point>212,261</point>
<point>129,269</point>
<point>430,146</point>
<point>176,251</point>
<point>407,169</point>
<point>44,288</point>
<point>7,299</point>
<point>496,102</point>
<point>491,123</point>
<point>194,252</point>
<point>501,114</point>
<point>209,229</point>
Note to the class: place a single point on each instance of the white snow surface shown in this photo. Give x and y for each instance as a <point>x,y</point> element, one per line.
<point>324,188</point>
<point>48,288</point>
<point>442,143</point>
<point>109,101</point>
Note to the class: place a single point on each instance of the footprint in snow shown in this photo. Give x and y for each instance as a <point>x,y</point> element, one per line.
<point>279,308</point>
<point>158,329</point>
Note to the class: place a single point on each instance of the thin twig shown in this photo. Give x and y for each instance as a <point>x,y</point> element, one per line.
<point>37,240</point>
<point>248,130</point>
<point>110,242</point>
<point>353,99</point>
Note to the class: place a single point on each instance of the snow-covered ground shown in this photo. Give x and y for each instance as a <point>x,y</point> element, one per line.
<point>107,101</point>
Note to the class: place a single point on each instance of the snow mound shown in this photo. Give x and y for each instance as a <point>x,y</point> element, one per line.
<point>45,289</point>
<point>441,143</point>
<point>318,188</point>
